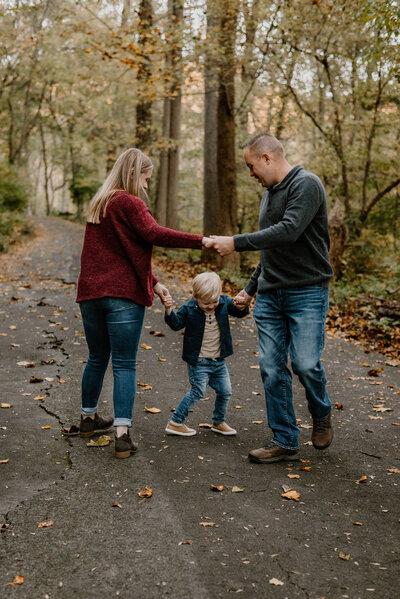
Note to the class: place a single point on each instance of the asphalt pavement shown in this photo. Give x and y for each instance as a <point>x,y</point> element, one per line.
<point>73,519</point>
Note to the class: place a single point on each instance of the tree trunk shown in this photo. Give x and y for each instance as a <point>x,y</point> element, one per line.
<point>226,155</point>
<point>338,237</point>
<point>210,133</point>
<point>143,129</point>
<point>162,181</point>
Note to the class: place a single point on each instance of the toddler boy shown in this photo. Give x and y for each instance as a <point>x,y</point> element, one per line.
<point>207,342</point>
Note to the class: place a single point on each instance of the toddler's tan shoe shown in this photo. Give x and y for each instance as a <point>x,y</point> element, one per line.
<point>223,429</point>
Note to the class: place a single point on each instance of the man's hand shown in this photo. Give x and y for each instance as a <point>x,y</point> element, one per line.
<point>224,245</point>
<point>242,299</point>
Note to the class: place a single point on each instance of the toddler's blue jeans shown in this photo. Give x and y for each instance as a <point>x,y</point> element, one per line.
<point>206,372</point>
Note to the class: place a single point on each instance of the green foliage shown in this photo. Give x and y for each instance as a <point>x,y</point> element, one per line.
<point>13,195</point>
<point>13,225</point>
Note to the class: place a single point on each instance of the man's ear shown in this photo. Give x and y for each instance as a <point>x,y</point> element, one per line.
<point>266,157</point>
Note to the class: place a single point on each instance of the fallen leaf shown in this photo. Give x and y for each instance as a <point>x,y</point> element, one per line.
<point>117,505</point>
<point>200,457</point>
<point>146,492</point>
<point>394,470</point>
<point>358,524</point>
<point>12,327</point>
<point>381,409</point>
<point>34,379</point>
<point>217,487</point>
<point>45,524</point>
<point>257,421</point>
<point>343,556</point>
<point>204,425</point>
<point>146,346</point>
<point>306,468</point>
<point>145,387</point>
<point>239,407</point>
<point>4,526</point>
<point>162,360</point>
<point>40,397</point>
<point>157,333</point>
<point>47,426</point>
<point>49,379</point>
<point>152,410</point>
<point>306,426</point>
<point>188,542</point>
<point>255,367</point>
<point>18,580</point>
<point>338,405</point>
<point>236,489</point>
<point>61,381</point>
<point>291,495</point>
<point>276,582</point>
<point>25,394</point>
<point>375,371</point>
<point>4,461</point>
<point>26,364</point>
<point>363,479</point>
<point>205,524</point>
<point>293,475</point>
<point>6,405</point>
<point>102,441</point>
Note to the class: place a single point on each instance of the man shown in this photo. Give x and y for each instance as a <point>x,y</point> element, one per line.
<point>292,280</point>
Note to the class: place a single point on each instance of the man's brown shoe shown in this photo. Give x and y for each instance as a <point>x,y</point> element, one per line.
<point>273,453</point>
<point>322,433</point>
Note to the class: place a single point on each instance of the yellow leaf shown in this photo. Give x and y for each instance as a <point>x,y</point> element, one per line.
<point>292,494</point>
<point>47,426</point>
<point>293,475</point>
<point>363,479</point>
<point>102,441</point>
<point>236,489</point>
<point>343,556</point>
<point>257,421</point>
<point>146,346</point>
<point>4,461</point>
<point>6,405</point>
<point>152,410</point>
<point>146,492</point>
<point>162,360</point>
<point>205,524</point>
<point>255,367</point>
<point>276,582</point>
<point>40,397</point>
<point>45,524</point>
<point>394,470</point>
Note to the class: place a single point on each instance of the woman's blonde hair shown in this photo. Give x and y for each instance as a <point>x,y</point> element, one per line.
<point>124,176</point>
<point>207,286</point>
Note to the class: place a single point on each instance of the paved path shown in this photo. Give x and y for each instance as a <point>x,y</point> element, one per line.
<point>339,540</point>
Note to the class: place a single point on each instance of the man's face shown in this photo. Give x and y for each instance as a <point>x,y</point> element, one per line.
<point>260,168</point>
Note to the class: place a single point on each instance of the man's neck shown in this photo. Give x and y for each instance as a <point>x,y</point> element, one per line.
<point>283,170</point>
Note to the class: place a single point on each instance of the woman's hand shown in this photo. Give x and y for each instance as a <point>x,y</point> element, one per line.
<point>162,292</point>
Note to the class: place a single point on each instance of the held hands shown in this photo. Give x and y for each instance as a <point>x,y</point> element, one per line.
<point>242,299</point>
<point>222,244</point>
<point>164,296</point>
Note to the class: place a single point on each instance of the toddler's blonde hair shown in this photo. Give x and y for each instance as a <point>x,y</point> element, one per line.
<point>207,286</point>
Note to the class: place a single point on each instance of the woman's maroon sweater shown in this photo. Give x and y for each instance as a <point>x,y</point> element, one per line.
<point>116,254</point>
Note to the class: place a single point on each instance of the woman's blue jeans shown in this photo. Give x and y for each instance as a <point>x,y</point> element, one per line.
<point>206,372</point>
<point>292,322</point>
<point>112,326</point>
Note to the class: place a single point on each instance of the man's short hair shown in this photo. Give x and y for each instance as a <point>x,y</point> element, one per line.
<point>207,286</point>
<point>264,143</point>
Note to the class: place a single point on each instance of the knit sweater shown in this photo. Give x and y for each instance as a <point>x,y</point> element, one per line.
<point>293,238</point>
<point>116,254</point>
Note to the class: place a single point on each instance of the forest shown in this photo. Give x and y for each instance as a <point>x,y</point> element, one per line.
<point>189,82</point>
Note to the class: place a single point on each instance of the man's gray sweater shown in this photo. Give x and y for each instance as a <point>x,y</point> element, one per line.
<point>293,238</point>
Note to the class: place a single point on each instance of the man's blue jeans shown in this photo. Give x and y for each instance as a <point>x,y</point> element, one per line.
<point>292,321</point>
<point>206,372</point>
<point>112,326</point>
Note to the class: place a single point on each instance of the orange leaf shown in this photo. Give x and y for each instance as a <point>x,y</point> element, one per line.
<point>40,397</point>
<point>306,468</point>
<point>205,524</point>
<point>4,461</point>
<point>45,524</point>
<point>117,505</point>
<point>146,492</point>
<point>358,524</point>
<point>152,410</point>
<point>257,421</point>
<point>363,479</point>
<point>47,426</point>
<point>146,346</point>
<point>291,495</point>
<point>217,488</point>
<point>18,580</point>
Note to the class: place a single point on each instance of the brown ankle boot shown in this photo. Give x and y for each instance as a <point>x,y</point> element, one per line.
<point>322,433</point>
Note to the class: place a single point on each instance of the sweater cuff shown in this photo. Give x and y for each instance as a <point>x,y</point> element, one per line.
<point>240,242</point>
<point>154,281</point>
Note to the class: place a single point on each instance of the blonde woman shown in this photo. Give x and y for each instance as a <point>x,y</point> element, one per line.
<point>115,286</point>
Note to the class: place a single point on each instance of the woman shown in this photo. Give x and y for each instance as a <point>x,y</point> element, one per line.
<point>115,285</point>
